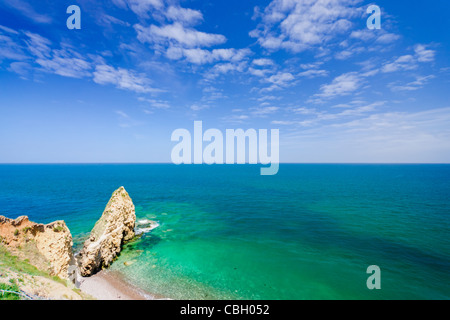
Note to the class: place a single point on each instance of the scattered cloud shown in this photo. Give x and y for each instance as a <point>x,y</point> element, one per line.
<point>281,79</point>
<point>313,73</point>
<point>142,8</point>
<point>122,79</point>
<point>410,62</point>
<point>27,10</point>
<point>197,107</point>
<point>379,37</point>
<point>183,15</point>
<point>38,45</point>
<point>202,56</point>
<point>263,62</point>
<point>263,111</point>
<point>344,84</point>
<point>8,30</point>
<point>300,25</point>
<point>423,54</point>
<point>406,62</point>
<point>107,20</point>
<point>125,120</point>
<point>178,34</point>
<point>21,68</point>
<point>411,86</point>
<point>154,103</point>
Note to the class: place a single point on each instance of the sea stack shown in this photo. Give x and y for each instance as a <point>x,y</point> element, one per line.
<point>46,246</point>
<point>115,226</point>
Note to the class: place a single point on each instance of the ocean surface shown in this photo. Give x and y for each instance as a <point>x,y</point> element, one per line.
<point>225,232</point>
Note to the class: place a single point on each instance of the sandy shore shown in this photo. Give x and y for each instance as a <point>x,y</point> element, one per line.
<point>108,285</point>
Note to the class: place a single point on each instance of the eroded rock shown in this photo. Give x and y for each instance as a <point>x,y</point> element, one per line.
<point>115,226</point>
<point>48,247</point>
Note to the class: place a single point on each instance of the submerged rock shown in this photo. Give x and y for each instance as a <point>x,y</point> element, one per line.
<point>47,247</point>
<point>115,226</point>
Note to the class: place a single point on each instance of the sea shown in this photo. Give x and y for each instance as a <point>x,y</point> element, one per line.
<point>225,232</point>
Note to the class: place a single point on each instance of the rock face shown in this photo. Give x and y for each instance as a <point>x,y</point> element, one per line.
<point>109,233</point>
<point>47,246</point>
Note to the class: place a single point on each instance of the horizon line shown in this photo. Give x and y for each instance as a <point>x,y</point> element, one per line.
<point>128,163</point>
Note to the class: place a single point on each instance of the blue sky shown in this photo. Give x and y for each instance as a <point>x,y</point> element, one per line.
<point>115,90</point>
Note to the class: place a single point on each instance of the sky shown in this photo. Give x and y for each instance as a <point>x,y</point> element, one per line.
<point>116,89</point>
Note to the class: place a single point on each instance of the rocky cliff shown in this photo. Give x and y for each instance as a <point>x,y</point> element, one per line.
<point>115,226</point>
<point>47,247</point>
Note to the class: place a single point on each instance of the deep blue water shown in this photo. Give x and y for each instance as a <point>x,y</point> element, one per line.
<point>309,232</point>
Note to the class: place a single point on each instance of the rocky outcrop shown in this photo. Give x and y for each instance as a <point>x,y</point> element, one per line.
<point>48,247</point>
<point>115,226</point>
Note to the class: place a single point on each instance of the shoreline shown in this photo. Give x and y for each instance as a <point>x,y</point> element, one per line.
<point>111,285</point>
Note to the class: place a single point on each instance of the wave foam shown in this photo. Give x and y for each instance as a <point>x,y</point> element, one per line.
<point>145,226</point>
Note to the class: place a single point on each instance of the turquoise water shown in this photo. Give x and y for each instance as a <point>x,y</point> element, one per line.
<point>310,232</point>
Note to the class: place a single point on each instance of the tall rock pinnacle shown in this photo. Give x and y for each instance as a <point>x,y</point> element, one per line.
<point>115,226</point>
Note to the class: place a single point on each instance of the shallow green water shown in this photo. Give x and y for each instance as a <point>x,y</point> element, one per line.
<point>309,232</point>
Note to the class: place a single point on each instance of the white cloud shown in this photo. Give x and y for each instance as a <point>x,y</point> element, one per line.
<point>388,38</point>
<point>64,62</point>
<point>423,54</point>
<point>236,118</point>
<point>197,107</point>
<point>412,86</point>
<point>305,111</point>
<point>364,34</point>
<point>380,36</point>
<point>108,20</point>
<point>177,33</point>
<point>341,85</point>
<point>11,49</point>
<point>158,104</point>
<point>122,114</point>
<point>259,72</point>
<point>300,25</point>
<point>281,78</point>
<point>122,79</point>
<point>184,15</point>
<point>140,7</point>
<point>224,68</point>
<point>313,73</point>
<point>389,137</point>
<point>21,68</point>
<point>262,62</point>
<point>314,65</point>
<point>64,65</point>
<point>263,111</point>
<point>406,62</point>
<point>410,62</point>
<point>202,56</point>
<point>311,117</point>
<point>38,45</point>
<point>350,52</point>
<point>28,11</point>
<point>211,94</point>
<point>8,30</point>
<point>126,121</point>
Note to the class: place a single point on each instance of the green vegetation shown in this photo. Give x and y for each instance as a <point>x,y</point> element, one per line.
<point>10,287</point>
<point>10,263</point>
<point>18,265</point>
<point>58,228</point>
<point>16,232</point>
